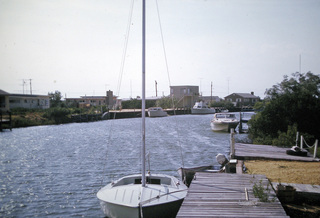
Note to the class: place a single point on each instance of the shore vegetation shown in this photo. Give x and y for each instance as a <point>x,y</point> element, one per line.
<point>289,107</point>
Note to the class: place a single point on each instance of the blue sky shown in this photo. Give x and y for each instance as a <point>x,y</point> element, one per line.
<point>76,46</point>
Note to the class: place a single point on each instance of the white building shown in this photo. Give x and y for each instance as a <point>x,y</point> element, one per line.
<point>29,101</point>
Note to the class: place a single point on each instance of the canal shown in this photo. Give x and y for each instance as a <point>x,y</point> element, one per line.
<point>56,171</point>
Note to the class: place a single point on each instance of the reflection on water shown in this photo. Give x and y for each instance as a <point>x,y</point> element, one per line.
<point>57,170</point>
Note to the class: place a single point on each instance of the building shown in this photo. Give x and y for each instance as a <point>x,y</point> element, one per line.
<point>29,101</point>
<point>186,95</point>
<point>242,99</point>
<point>4,101</point>
<point>88,101</point>
<point>9,101</point>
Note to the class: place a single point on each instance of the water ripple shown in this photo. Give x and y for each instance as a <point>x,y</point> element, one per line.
<point>55,171</point>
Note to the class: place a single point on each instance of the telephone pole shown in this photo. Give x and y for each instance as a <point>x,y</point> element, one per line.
<point>156,84</point>
<point>30,87</point>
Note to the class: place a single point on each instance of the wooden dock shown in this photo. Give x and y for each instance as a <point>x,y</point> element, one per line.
<point>5,120</point>
<point>132,113</point>
<point>223,195</point>
<point>265,152</point>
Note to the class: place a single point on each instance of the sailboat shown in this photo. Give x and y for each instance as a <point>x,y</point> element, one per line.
<point>143,195</point>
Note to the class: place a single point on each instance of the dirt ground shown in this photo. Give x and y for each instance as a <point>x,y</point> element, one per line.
<point>286,171</point>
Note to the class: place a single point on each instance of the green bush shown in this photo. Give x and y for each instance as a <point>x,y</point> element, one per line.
<point>59,115</point>
<point>290,106</point>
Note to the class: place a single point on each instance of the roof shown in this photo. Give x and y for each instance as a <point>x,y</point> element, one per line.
<point>3,92</point>
<point>243,95</point>
<point>27,95</point>
<point>184,86</point>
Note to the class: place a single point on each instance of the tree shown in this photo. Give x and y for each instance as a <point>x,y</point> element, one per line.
<point>55,99</point>
<point>295,100</point>
<point>223,104</point>
<point>167,102</point>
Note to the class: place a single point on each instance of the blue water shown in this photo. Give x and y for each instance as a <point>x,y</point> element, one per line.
<point>56,171</point>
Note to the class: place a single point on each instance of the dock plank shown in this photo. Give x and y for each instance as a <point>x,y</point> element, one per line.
<point>256,152</point>
<point>223,195</point>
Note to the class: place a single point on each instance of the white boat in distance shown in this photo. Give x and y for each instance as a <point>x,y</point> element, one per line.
<point>202,108</point>
<point>154,195</point>
<point>224,122</point>
<point>156,112</point>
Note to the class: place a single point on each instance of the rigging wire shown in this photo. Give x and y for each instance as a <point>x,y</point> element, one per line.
<point>118,87</point>
<point>125,48</point>
<point>167,67</point>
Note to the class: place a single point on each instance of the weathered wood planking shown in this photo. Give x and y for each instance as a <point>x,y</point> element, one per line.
<point>223,195</point>
<point>307,188</point>
<point>255,152</point>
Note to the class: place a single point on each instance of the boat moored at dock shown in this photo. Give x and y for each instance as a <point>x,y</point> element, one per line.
<point>163,194</point>
<point>224,122</point>
<point>202,108</point>
<point>156,112</point>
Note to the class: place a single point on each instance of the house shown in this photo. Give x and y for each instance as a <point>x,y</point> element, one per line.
<point>242,99</point>
<point>186,95</point>
<point>4,101</point>
<point>29,101</point>
<point>88,101</point>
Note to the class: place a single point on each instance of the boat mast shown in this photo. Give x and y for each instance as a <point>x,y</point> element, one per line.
<point>143,106</point>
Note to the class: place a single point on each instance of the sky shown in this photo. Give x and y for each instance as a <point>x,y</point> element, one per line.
<point>78,46</point>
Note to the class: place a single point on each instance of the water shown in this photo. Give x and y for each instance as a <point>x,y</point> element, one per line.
<point>56,171</point>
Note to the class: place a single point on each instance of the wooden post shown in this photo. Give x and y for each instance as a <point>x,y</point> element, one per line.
<point>232,150</point>
<point>315,149</point>
<point>240,124</point>
<point>0,121</point>
<point>301,142</point>
<point>10,120</point>
<point>297,138</point>
<point>247,195</point>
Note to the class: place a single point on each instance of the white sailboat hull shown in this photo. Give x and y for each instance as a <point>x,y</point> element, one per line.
<point>114,210</point>
<point>163,210</point>
<point>161,197</point>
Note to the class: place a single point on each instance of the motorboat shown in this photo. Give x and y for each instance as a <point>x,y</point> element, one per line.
<point>202,108</point>
<point>224,122</point>
<point>187,173</point>
<point>141,195</point>
<point>156,112</point>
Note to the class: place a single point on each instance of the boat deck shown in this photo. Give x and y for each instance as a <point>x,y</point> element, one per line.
<point>223,195</point>
<point>256,152</point>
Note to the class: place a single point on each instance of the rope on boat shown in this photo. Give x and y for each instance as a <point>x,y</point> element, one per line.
<point>309,145</point>
<point>168,73</point>
<point>159,196</point>
<point>125,48</point>
<point>118,88</point>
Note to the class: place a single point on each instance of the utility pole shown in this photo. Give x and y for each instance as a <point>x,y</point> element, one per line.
<point>211,91</point>
<point>30,87</point>
<point>23,83</point>
<point>200,87</point>
<point>156,84</point>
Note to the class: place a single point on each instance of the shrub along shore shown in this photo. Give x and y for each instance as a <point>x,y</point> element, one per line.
<point>52,116</point>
